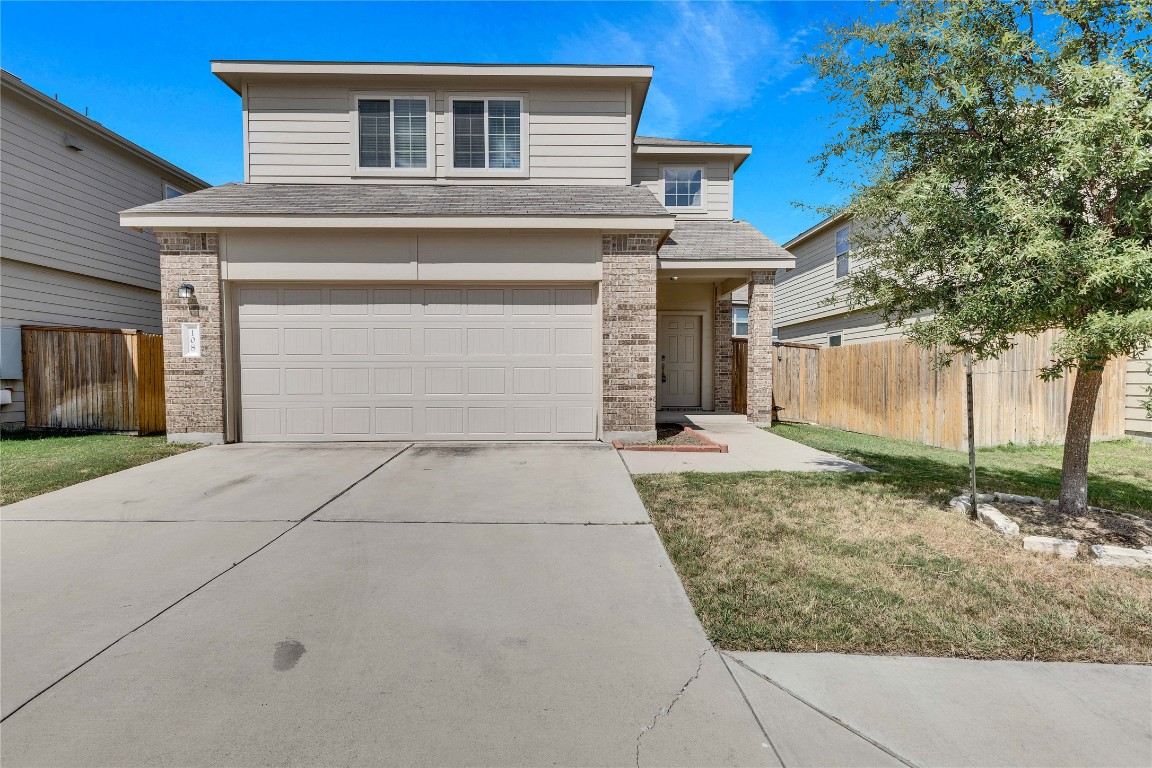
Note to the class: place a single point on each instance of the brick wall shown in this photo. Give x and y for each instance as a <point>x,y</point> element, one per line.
<point>760,350</point>
<point>722,355</point>
<point>193,386</point>
<point>628,298</point>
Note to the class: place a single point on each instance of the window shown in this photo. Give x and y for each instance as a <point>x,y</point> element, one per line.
<point>683,187</point>
<point>739,321</point>
<point>486,133</point>
<point>842,248</point>
<point>393,133</point>
<point>171,192</point>
<point>834,339</point>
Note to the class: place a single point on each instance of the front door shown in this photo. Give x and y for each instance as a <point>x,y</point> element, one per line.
<point>678,372</point>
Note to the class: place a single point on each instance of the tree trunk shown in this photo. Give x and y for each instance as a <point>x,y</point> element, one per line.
<point>1077,440</point>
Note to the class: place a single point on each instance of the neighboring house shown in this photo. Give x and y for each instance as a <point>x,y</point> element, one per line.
<point>455,251</point>
<point>66,261</point>
<point>804,315</point>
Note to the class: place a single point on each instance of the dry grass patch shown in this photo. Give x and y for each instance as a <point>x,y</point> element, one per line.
<point>830,562</point>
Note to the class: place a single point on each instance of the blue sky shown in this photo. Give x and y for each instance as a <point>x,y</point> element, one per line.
<point>724,71</point>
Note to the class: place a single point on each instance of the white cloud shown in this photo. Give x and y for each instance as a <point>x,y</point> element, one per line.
<point>711,59</point>
<point>807,85</point>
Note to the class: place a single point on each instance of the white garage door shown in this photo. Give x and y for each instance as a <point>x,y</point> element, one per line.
<point>417,362</point>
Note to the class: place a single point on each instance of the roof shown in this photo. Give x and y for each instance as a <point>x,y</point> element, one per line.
<point>85,123</point>
<point>396,205</point>
<point>655,145</point>
<point>696,239</point>
<point>816,229</point>
<point>656,141</point>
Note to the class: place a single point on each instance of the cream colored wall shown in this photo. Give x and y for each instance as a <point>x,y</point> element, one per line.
<point>303,133</point>
<point>801,292</point>
<point>853,328</point>
<point>647,170</point>
<point>1137,384</point>
<point>411,256</point>
<point>693,298</point>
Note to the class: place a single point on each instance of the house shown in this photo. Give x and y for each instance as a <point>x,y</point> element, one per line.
<point>66,261</point>
<point>807,311</point>
<point>451,252</point>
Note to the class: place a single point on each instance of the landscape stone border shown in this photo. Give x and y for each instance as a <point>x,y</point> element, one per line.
<point>711,447</point>
<point>1101,554</point>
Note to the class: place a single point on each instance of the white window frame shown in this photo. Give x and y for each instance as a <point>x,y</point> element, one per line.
<point>450,125</point>
<point>839,334</point>
<point>847,254</point>
<point>164,187</point>
<point>736,333</point>
<point>430,137</point>
<point>703,188</point>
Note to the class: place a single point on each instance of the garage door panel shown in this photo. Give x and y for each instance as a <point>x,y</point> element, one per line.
<point>361,362</point>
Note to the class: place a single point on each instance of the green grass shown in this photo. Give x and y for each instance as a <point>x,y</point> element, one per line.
<point>873,563</point>
<point>35,463</point>
<point>1120,471</point>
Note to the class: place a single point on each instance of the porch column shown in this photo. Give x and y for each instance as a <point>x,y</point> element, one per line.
<point>760,350</point>
<point>722,354</point>
<point>628,311</point>
<point>193,385</point>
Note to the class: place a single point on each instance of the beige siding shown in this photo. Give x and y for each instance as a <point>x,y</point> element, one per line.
<point>60,205</point>
<point>801,292</point>
<point>303,134</point>
<point>1137,386</point>
<point>853,328</point>
<point>717,182</point>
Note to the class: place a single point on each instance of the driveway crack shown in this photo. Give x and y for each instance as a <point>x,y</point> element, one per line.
<point>667,710</point>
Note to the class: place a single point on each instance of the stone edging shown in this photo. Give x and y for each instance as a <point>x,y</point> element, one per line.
<point>1101,554</point>
<point>711,447</point>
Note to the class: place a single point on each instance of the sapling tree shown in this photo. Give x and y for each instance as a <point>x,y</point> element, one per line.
<point>999,162</point>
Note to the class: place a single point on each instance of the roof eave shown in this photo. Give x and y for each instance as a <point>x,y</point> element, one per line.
<point>723,264</point>
<point>209,222</point>
<point>738,152</point>
<point>817,229</point>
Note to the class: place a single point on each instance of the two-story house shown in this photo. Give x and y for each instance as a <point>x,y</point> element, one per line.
<point>64,258</point>
<point>809,310</point>
<point>455,251</point>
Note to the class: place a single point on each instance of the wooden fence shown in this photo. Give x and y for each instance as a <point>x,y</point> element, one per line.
<point>891,388</point>
<point>93,379</point>
<point>740,375</point>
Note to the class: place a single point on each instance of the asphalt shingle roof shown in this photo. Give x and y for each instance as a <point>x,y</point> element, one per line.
<point>704,239</point>
<point>656,141</point>
<point>414,200</point>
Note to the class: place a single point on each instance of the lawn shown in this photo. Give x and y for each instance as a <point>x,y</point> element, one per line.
<point>34,463</point>
<point>874,563</point>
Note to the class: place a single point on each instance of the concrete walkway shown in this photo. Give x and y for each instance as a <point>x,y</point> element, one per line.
<point>835,710</point>
<point>750,449</point>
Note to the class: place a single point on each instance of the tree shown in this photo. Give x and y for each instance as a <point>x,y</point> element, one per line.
<point>999,155</point>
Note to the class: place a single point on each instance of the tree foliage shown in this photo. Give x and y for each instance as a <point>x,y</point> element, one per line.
<point>1007,157</point>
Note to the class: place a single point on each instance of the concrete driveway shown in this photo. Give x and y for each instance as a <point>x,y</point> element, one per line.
<point>352,604</point>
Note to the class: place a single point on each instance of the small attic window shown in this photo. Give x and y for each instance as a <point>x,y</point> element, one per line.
<point>171,192</point>
<point>72,142</point>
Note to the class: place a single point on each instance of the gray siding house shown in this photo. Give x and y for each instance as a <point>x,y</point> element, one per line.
<point>455,251</point>
<point>805,314</point>
<point>64,258</point>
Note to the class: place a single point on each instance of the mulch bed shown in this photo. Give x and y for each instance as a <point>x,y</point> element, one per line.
<point>675,434</point>
<point>1089,528</point>
<point>675,437</point>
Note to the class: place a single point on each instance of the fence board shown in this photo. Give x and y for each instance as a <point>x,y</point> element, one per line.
<point>892,388</point>
<point>93,379</point>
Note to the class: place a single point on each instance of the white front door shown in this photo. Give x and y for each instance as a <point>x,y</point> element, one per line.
<point>678,372</point>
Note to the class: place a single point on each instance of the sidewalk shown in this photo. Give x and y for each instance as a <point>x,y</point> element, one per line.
<point>750,449</point>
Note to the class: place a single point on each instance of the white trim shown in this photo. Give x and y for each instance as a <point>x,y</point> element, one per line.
<point>703,188</point>
<point>429,170</point>
<point>221,67</point>
<point>828,340</point>
<point>450,169</point>
<point>212,222</point>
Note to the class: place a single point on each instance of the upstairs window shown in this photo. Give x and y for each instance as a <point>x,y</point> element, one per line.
<point>739,321</point>
<point>393,133</point>
<point>683,187</point>
<point>171,192</point>
<point>486,134</point>
<point>842,249</point>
